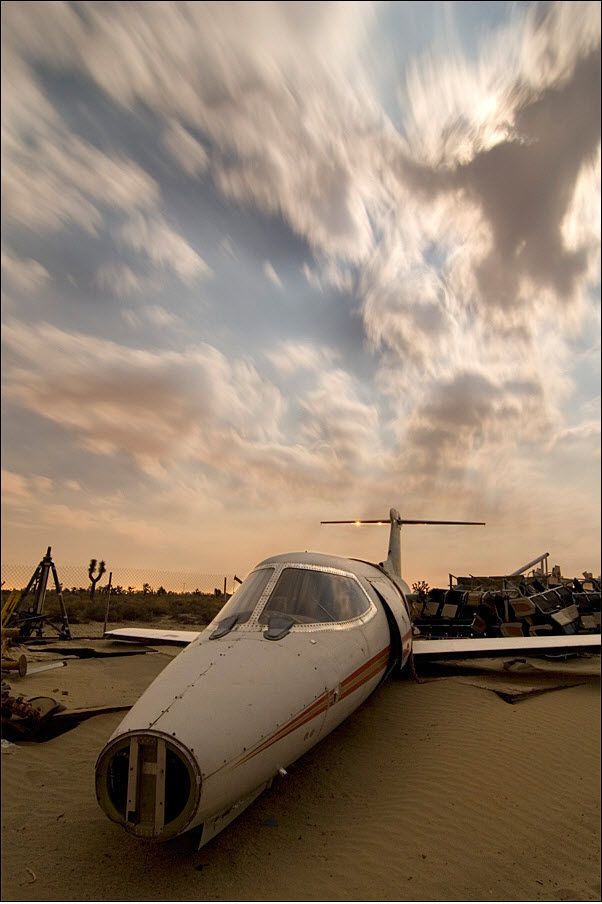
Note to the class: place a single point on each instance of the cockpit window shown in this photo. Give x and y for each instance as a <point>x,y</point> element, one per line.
<point>310,596</point>
<point>243,601</point>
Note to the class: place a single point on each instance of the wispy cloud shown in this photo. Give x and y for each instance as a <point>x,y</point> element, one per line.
<point>290,357</point>
<point>152,237</point>
<point>122,281</point>
<point>457,247</point>
<point>185,149</point>
<point>271,274</point>
<point>24,274</point>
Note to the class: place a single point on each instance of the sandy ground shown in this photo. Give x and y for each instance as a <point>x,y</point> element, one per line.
<point>439,791</point>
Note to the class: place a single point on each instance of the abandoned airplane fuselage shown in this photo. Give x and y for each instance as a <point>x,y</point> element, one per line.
<point>299,646</point>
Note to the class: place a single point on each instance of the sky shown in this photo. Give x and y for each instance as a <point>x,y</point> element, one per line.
<point>266,264</point>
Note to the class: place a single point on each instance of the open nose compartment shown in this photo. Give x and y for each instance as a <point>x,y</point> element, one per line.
<point>149,783</point>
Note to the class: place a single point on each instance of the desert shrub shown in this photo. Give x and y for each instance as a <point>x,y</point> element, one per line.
<point>158,607</point>
<point>131,611</point>
<point>95,609</point>
<point>134,606</point>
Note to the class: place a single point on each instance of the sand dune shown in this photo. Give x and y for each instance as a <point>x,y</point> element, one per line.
<point>429,792</point>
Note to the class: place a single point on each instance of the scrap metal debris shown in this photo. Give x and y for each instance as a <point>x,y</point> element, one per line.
<point>515,691</point>
<point>511,605</point>
<point>90,652</point>
<point>519,678</point>
<point>41,718</point>
<point>47,666</point>
<point>24,718</point>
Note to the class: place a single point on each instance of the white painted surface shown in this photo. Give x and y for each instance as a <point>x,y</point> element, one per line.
<point>245,706</point>
<point>472,645</point>
<point>227,700</point>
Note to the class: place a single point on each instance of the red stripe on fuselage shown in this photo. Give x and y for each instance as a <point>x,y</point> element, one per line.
<point>349,684</point>
<point>376,666</point>
<point>370,662</point>
<point>318,707</point>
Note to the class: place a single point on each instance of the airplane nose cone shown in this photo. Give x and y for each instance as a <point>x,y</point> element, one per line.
<point>149,783</point>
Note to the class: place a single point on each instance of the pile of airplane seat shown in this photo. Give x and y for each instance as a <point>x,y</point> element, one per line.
<point>509,606</point>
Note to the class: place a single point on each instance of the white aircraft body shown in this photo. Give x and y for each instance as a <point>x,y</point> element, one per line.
<point>298,647</point>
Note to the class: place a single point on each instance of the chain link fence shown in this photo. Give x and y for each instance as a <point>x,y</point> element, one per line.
<point>125,580</point>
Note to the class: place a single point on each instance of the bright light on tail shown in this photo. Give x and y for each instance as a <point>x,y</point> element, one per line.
<point>393,562</point>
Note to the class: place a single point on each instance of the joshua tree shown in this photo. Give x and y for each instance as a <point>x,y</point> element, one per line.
<point>421,588</point>
<point>95,580</point>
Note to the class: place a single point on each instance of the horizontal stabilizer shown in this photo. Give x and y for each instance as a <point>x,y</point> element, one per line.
<point>491,646</point>
<point>392,564</point>
<point>404,521</point>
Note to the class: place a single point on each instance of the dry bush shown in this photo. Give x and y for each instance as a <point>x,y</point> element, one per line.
<point>197,608</point>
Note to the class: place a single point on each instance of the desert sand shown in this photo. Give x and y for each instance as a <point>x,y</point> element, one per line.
<point>434,791</point>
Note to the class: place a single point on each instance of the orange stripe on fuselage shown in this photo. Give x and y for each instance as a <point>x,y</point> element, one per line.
<point>370,662</point>
<point>372,668</point>
<point>318,707</point>
<point>349,684</point>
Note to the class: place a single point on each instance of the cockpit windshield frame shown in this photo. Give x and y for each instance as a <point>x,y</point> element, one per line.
<point>256,586</point>
<point>255,622</point>
<point>315,597</point>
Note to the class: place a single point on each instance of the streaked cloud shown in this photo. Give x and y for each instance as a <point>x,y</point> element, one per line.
<point>153,238</point>
<point>290,357</point>
<point>437,266</point>
<point>185,149</point>
<point>122,280</point>
<point>24,274</point>
<point>271,274</point>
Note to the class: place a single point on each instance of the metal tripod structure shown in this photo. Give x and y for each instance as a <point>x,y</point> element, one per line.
<point>30,620</point>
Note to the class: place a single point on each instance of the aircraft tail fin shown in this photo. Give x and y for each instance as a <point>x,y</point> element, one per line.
<point>392,565</point>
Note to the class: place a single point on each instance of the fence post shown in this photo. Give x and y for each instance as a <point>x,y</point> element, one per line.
<point>104,630</point>
<point>225,587</point>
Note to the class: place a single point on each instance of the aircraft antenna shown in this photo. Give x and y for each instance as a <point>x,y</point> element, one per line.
<point>393,562</point>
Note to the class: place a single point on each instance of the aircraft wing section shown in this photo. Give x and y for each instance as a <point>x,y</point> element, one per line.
<point>490,646</point>
<point>152,635</point>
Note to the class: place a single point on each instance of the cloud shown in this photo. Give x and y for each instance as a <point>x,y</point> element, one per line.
<point>330,273</point>
<point>159,316</point>
<point>260,81</point>
<point>524,188</point>
<point>467,238</point>
<point>406,304</point>
<point>466,424</point>
<point>154,404</point>
<point>271,274</point>
<point>185,149</point>
<point>24,274</point>
<point>51,178</point>
<point>17,491</point>
<point>121,280</point>
<point>508,142</point>
<point>586,434</point>
<point>493,245</point>
<point>337,421</point>
<point>290,357</point>
<point>153,238</point>
<point>155,314</point>
<point>193,409</point>
<point>27,496</point>
<point>296,130</point>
